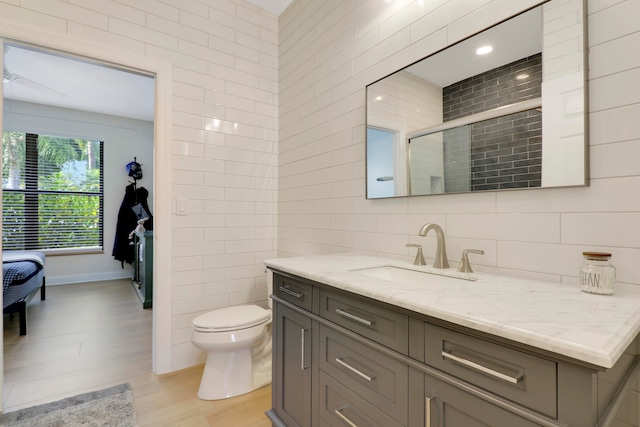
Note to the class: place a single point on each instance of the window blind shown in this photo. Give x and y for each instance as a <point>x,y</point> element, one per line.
<point>52,192</point>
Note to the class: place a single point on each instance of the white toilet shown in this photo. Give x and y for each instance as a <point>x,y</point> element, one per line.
<point>238,344</point>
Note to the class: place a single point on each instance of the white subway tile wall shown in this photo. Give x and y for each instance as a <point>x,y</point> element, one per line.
<point>269,130</point>
<point>532,233</point>
<point>224,57</point>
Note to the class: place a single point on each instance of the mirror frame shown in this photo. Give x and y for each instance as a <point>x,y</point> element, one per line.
<point>578,149</point>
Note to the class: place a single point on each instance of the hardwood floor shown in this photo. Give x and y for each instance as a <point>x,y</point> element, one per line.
<point>86,337</point>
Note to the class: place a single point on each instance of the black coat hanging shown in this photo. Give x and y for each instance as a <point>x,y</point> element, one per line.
<point>128,220</point>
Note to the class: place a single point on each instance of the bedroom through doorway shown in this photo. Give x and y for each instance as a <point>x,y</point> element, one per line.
<point>37,99</point>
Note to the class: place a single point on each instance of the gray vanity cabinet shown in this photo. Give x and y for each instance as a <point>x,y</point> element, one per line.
<point>291,391</point>
<point>450,406</point>
<point>291,394</point>
<point>358,383</point>
<point>520,377</point>
<point>339,406</point>
<point>355,375</point>
<point>379,324</point>
<point>341,359</point>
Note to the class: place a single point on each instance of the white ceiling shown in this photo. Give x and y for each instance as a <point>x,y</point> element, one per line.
<point>46,78</point>
<point>511,40</point>
<point>274,6</point>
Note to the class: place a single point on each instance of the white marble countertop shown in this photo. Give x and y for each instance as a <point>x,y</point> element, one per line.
<point>559,318</point>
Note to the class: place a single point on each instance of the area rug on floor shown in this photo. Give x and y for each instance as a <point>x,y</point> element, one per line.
<point>112,407</point>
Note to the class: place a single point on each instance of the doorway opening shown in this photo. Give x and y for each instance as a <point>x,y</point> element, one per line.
<point>160,158</point>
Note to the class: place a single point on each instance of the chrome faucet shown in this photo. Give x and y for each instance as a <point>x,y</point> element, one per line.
<point>441,260</point>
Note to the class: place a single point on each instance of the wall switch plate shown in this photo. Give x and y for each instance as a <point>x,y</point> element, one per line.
<point>181,208</point>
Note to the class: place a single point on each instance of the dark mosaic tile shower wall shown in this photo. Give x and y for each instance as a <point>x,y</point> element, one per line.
<point>505,152</point>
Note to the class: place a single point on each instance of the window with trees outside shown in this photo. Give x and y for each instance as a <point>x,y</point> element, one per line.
<point>52,193</point>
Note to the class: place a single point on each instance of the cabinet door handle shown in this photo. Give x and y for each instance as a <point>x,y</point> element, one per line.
<point>478,367</point>
<point>427,412</point>
<point>352,369</point>
<point>343,313</point>
<point>343,418</point>
<point>303,365</point>
<point>290,292</point>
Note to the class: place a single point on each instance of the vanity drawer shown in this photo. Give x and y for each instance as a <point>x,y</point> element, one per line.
<point>340,407</point>
<point>372,321</point>
<point>377,378</point>
<point>293,290</point>
<point>523,378</point>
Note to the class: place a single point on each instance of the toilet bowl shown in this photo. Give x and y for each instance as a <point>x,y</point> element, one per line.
<point>237,340</point>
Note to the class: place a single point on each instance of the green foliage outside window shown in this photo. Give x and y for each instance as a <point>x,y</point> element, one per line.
<point>52,192</point>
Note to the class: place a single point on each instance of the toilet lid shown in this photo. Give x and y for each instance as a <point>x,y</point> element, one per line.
<point>231,318</point>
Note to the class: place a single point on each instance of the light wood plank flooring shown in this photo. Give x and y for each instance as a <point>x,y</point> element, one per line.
<point>90,336</point>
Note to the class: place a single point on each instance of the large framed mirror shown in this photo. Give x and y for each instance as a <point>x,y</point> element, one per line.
<point>461,120</point>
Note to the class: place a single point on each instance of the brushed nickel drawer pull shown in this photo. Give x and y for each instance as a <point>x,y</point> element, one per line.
<point>354,370</point>
<point>427,412</point>
<point>481,368</point>
<point>343,418</point>
<point>290,292</point>
<point>303,365</point>
<point>343,313</point>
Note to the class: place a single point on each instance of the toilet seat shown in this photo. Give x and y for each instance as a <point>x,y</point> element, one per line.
<point>231,318</point>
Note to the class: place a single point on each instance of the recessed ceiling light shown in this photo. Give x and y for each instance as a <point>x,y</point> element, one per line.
<point>522,76</point>
<point>483,50</point>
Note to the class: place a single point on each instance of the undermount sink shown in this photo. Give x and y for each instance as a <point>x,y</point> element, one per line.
<point>411,277</point>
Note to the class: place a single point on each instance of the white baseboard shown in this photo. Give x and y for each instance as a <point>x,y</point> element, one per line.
<point>92,277</point>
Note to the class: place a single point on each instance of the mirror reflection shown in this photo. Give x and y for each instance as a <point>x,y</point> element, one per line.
<point>464,121</point>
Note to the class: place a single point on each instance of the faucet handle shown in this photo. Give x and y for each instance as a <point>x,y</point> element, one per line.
<point>419,256</point>
<point>465,266</point>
